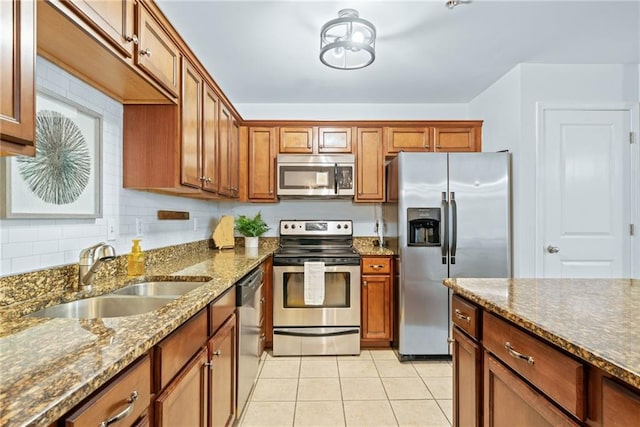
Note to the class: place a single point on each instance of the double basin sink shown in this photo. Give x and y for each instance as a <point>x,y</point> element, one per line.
<point>137,298</point>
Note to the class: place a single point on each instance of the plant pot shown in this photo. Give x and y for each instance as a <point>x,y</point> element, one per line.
<point>251,242</point>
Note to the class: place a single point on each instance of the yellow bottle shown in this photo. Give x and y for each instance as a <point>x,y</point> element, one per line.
<point>135,262</point>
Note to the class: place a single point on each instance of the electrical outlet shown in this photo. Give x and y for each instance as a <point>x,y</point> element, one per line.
<point>111,229</point>
<point>139,225</point>
<point>195,224</point>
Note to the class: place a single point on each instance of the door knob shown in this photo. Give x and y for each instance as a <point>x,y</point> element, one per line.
<point>553,249</point>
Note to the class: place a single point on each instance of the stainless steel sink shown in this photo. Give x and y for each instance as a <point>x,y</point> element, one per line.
<point>103,306</point>
<point>160,288</point>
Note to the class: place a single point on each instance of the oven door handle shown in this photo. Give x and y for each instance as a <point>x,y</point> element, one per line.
<point>309,334</point>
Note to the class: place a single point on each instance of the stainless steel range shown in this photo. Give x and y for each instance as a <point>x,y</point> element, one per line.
<point>316,289</point>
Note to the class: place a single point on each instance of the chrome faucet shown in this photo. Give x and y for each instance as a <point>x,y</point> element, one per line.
<point>90,261</point>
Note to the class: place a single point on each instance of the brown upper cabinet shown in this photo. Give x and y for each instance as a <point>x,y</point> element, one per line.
<point>408,139</point>
<point>119,47</point>
<point>199,115</point>
<point>369,165</point>
<point>262,161</point>
<point>297,140</point>
<point>462,136</point>
<point>156,53</point>
<point>17,85</point>
<point>314,139</point>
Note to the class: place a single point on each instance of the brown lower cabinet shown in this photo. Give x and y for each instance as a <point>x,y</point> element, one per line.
<point>377,301</point>
<point>184,401</point>
<point>467,371</point>
<point>505,376</point>
<point>222,374</point>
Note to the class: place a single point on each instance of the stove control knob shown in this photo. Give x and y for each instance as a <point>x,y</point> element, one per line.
<point>286,226</point>
<point>346,226</point>
<point>339,226</point>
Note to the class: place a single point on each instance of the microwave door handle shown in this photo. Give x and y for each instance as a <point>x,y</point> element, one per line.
<point>444,230</point>
<point>335,179</point>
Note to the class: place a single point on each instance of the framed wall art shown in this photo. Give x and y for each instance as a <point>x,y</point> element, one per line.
<point>63,180</point>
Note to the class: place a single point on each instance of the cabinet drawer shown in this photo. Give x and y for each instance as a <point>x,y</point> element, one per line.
<point>221,309</point>
<point>465,315</point>
<point>557,375</point>
<point>376,265</point>
<point>116,396</point>
<point>172,353</point>
<point>620,406</point>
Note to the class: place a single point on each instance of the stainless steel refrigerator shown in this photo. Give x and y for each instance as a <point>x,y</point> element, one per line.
<point>447,215</point>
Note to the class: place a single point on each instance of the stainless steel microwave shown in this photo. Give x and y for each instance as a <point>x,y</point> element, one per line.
<point>316,175</point>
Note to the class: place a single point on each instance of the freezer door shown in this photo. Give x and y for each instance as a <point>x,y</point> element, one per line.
<point>423,300</point>
<point>480,207</point>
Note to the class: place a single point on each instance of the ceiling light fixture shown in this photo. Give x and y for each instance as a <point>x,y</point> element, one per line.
<point>348,41</point>
<point>453,3</point>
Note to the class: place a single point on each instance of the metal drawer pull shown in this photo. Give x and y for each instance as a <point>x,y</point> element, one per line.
<point>125,412</point>
<point>147,52</point>
<point>517,355</point>
<point>461,316</point>
<point>263,300</point>
<point>376,266</point>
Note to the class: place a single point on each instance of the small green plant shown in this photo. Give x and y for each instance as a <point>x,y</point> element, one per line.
<point>251,227</point>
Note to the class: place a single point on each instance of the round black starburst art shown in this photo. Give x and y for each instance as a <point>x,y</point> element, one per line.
<point>60,170</point>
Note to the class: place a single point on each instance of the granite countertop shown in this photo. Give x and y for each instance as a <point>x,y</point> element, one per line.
<point>50,365</point>
<point>593,319</point>
<point>368,246</point>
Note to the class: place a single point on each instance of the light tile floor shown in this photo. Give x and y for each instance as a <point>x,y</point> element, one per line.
<point>372,389</point>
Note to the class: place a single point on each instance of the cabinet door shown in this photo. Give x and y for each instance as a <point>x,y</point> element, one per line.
<point>376,307</point>
<point>509,401</point>
<point>222,364</point>
<point>234,159</point>
<point>184,401</point>
<point>224,128</point>
<point>262,157</point>
<point>408,139</point>
<point>157,55</point>
<point>369,165</point>
<point>467,374</point>
<point>112,19</point>
<point>456,140</point>
<point>296,140</point>
<point>334,140</point>
<point>191,112</point>
<point>210,140</point>
<point>620,406</point>
<point>17,84</point>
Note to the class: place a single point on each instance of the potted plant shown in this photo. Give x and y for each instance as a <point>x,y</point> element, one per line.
<point>251,229</point>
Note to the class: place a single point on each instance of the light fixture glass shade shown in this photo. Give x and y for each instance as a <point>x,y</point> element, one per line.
<point>347,42</point>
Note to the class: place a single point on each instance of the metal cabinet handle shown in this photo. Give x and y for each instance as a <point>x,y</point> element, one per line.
<point>376,266</point>
<point>450,340</point>
<point>365,283</point>
<point>263,337</point>
<point>263,300</point>
<point>147,52</point>
<point>517,355</point>
<point>132,38</point>
<point>125,412</point>
<point>553,249</point>
<point>217,353</point>
<point>462,316</point>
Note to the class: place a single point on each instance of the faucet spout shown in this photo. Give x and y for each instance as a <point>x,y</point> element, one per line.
<point>90,261</point>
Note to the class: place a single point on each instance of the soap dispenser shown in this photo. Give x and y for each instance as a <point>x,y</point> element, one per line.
<point>135,262</point>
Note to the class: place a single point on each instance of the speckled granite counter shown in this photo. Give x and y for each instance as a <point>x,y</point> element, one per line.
<point>366,246</point>
<point>594,319</point>
<point>49,365</point>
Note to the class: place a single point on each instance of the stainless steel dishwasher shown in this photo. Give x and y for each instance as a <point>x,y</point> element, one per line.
<point>248,294</point>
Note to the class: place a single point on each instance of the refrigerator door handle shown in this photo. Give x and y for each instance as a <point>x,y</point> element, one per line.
<point>454,227</point>
<point>444,230</point>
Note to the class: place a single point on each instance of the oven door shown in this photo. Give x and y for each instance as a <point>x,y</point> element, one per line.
<point>341,306</point>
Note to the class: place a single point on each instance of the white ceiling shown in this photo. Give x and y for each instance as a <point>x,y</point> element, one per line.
<point>267,51</point>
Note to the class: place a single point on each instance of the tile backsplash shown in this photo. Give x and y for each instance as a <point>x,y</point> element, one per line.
<point>31,244</point>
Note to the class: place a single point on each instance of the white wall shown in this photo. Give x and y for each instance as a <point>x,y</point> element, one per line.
<point>32,244</point>
<point>353,111</point>
<point>560,84</point>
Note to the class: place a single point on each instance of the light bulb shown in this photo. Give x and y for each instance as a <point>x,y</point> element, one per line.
<point>357,37</point>
<point>338,52</point>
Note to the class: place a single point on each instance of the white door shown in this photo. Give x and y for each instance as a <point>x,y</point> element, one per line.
<point>586,193</point>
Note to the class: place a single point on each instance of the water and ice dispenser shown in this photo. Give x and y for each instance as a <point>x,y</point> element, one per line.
<point>424,226</point>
